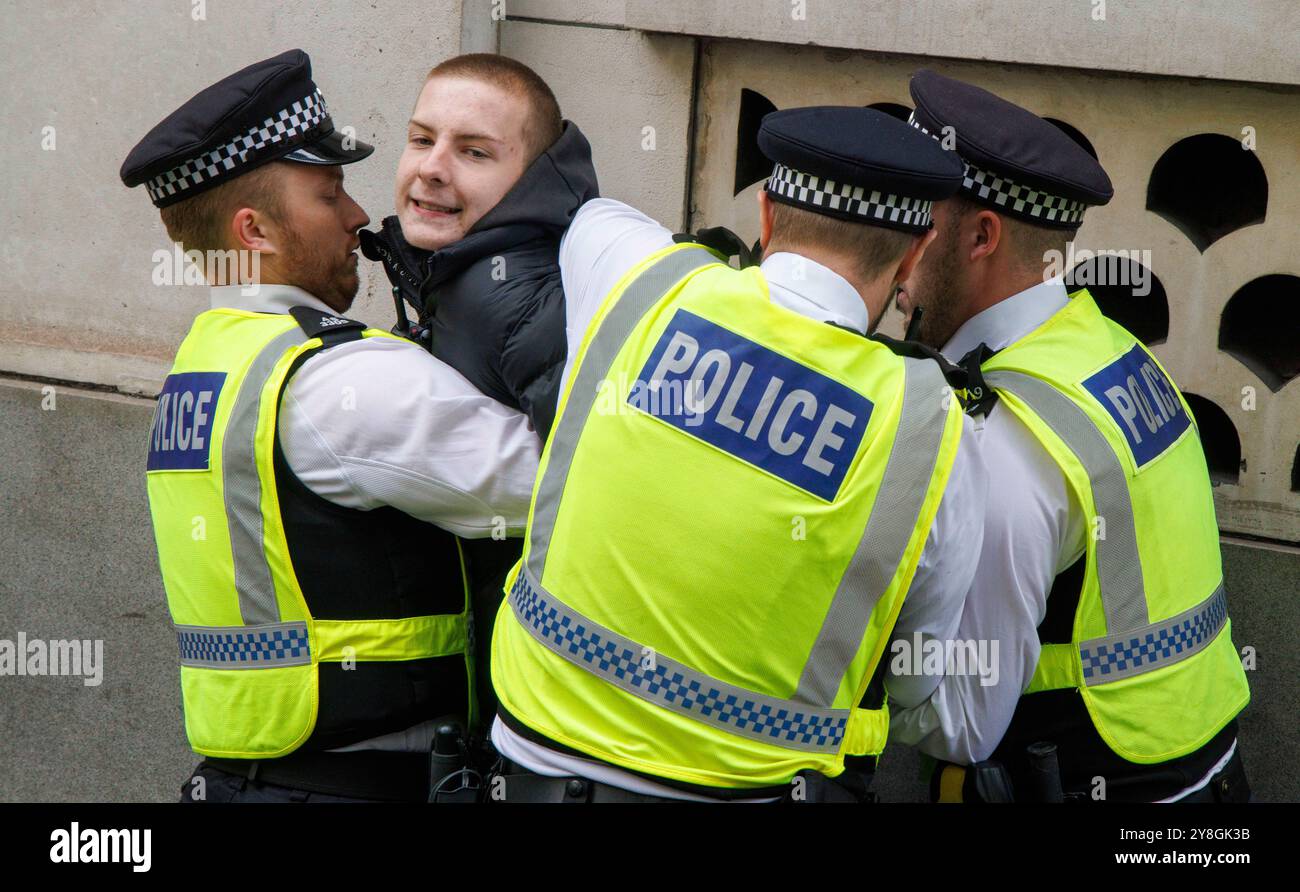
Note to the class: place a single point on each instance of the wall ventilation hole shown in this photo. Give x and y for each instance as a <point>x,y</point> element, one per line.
<point>1127,292</point>
<point>751,165</point>
<point>1208,186</point>
<point>1261,328</point>
<point>1219,439</point>
<point>1075,134</point>
<point>893,109</point>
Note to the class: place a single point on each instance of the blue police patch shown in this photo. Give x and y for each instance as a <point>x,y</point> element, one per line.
<point>182,423</point>
<point>752,402</point>
<point>1143,402</point>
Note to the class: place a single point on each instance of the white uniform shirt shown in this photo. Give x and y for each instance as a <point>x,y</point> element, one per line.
<point>608,238</point>
<point>1033,530</point>
<point>379,421</point>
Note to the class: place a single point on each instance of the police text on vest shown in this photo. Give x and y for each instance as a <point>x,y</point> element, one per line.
<point>1143,402</point>
<point>182,421</point>
<point>750,401</point>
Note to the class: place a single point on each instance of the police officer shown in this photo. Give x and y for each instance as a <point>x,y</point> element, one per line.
<point>308,477</point>
<point>1100,572</point>
<point>740,503</point>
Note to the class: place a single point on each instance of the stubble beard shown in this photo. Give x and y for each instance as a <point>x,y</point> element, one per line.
<point>325,278</point>
<point>937,291</point>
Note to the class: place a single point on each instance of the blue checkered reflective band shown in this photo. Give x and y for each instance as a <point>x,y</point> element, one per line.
<point>1144,404</point>
<point>244,647</point>
<point>651,676</point>
<point>750,401</point>
<point>1155,646</point>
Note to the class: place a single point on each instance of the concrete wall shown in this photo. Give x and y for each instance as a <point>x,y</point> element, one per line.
<point>1249,40</point>
<point>1131,121</point>
<point>638,121</point>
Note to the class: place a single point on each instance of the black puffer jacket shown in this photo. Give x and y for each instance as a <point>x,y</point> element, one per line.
<point>492,302</point>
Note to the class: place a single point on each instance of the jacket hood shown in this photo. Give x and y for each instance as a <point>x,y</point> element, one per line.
<point>550,191</point>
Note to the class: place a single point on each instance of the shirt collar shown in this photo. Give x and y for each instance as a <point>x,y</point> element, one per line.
<point>813,290</point>
<point>264,298</point>
<point>1008,320</point>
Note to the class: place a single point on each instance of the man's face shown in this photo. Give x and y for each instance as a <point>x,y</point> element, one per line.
<point>937,283</point>
<point>465,149</point>
<point>318,237</point>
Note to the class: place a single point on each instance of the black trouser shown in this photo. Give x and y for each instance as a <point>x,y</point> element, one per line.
<point>1086,760</point>
<point>215,785</point>
<point>363,776</point>
<point>1229,784</point>
<point>1142,783</point>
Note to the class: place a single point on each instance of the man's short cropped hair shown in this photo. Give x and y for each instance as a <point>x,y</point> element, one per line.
<point>544,123</point>
<point>872,249</point>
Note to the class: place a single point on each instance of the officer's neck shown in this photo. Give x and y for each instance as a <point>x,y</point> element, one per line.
<point>264,271</point>
<point>874,292</point>
<point>999,284</point>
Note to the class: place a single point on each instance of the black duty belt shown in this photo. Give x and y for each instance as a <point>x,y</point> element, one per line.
<point>365,774</point>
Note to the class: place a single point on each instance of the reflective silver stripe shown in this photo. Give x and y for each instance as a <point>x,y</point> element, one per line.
<point>244,647</point>
<point>1119,568</point>
<point>243,488</point>
<point>653,677</point>
<point>642,294</point>
<point>1154,646</point>
<point>880,550</point>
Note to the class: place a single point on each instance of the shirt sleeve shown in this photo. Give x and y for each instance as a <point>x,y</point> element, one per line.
<point>605,240</point>
<point>381,422</point>
<point>1033,529</point>
<point>933,606</point>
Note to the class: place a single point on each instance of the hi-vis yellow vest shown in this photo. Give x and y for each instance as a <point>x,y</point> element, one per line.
<point>262,625</point>
<point>1152,653</point>
<point>728,515</point>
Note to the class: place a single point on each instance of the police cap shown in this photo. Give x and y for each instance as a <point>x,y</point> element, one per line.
<point>856,164</point>
<point>270,110</point>
<point>1016,162</point>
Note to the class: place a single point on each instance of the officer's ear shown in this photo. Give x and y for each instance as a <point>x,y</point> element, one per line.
<point>258,206</point>
<point>764,219</point>
<point>254,230</point>
<point>912,256</point>
<point>981,232</point>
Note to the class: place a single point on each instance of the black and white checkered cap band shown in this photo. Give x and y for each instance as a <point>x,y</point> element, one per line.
<point>291,122</point>
<point>849,200</point>
<point>1021,200</point>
